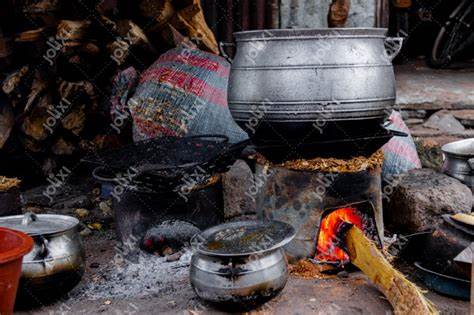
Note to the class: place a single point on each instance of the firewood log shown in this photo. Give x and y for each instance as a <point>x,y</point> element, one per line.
<point>31,144</point>
<point>161,10</point>
<point>31,35</point>
<point>72,32</point>
<point>11,84</point>
<point>35,123</point>
<point>185,16</point>
<point>131,35</point>
<point>192,18</point>
<point>42,6</point>
<point>338,13</point>
<point>37,87</point>
<point>62,147</point>
<point>403,295</point>
<point>75,120</point>
<point>7,120</point>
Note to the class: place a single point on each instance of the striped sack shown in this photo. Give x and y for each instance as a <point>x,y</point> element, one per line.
<point>400,152</point>
<point>184,93</point>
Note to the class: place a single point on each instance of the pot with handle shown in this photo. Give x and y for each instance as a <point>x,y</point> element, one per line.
<point>239,265</point>
<point>57,261</point>
<point>458,162</point>
<point>291,85</point>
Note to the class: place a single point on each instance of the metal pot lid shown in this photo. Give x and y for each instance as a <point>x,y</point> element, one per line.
<point>243,238</point>
<point>464,148</point>
<point>39,224</point>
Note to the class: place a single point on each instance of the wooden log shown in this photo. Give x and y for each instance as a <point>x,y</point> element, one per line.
<point>72,32</point>
<point>161,10</point>
<point>35,123</point>
<point>7,121</point>
<point>75,120</point>
<point>131,35</point>
<point>192,19</point>
<point>403,295</point>
<point>11,84</point>
<point>338,13</point>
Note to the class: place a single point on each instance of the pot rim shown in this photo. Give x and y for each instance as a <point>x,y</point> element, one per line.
<point>196,239</point>
<point>74,223</point>
<point>448,150</point>
<point>311,33</point>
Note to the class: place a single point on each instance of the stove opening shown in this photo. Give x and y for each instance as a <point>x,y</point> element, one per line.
<point>329,247</point>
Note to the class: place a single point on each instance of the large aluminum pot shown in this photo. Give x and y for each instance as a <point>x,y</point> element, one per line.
<point>240,264</point>
<point>290,85</point>
<point>57,261</point>
<point>459,161</point>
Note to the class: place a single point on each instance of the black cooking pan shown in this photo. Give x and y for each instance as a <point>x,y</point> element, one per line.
<point>162,164</point>
<point>444,284</point>
<point>362,145</point>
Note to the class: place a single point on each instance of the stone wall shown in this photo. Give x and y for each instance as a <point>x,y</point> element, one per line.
<point>313,13</point>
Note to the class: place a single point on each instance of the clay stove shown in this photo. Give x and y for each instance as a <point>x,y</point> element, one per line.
<point>311,194</point>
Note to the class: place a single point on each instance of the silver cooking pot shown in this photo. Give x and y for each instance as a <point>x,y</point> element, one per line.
<point>57,261</point>
<point>240,264</point>
<point>459,161</point>
<point>296,84</point>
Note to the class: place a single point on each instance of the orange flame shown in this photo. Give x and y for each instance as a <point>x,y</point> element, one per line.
<point>327,249</point>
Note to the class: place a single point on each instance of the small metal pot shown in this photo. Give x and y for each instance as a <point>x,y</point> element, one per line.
<point>459,161</point>
<point>56,263</point>
<point>232,270</point>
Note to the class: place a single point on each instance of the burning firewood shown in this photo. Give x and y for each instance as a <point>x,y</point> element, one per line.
<point>404,296</point>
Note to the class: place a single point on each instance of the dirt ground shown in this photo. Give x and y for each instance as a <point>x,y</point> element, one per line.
<point>351,295</point>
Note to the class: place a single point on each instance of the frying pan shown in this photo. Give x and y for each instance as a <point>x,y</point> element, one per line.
<point>443,284</point>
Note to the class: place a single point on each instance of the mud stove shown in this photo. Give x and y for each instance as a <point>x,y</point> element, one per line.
<point>312,195</point>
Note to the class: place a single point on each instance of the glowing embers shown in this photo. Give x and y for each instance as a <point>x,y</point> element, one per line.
<point>329,243</point>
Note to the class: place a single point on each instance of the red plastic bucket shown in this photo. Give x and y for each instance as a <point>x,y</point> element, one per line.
<point>13,246</point>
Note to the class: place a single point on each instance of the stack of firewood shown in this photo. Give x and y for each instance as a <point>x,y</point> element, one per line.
<point>58,59</point>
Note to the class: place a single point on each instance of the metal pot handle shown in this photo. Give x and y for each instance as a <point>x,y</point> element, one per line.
<point>28,218</point>
<point>100,177</point>
<point>393,46</point>
<point>471,164</point>
<point>222,51</point>
<point>44,251</point>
